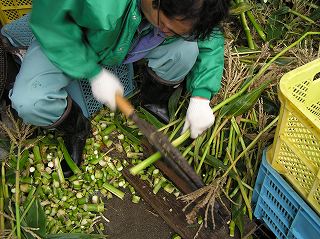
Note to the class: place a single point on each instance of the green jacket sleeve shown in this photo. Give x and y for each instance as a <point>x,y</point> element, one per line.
<point>204,80</point>
<point>60,27</point>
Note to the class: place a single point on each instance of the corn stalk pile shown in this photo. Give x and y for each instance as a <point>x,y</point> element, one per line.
<point>264,40</point>
<point>34,186</point>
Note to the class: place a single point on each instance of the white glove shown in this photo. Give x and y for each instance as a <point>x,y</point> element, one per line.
<point>104,87</point>
<point>199,117</point>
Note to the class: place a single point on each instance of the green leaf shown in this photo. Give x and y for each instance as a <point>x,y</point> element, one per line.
<point>26,235</point>
<point>74,236</point>
<point>150,118</point>
<point>243,103</point>
<point>23,160</point>
<point>173,102</point>
<point>238,217</point>
<point>276,28</point>
<point>35,218</point>
<point>282,10</point>
<point>48,141</point>
<point>218,164</point>
<point>284,60</point>
<point>198,143</point>
<point>11,176</point>
<point>315,15</point>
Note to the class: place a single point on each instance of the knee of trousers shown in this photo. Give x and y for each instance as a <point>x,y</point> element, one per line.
<point>174,61</point>
<point>36,109</point>
<point>185,56</point>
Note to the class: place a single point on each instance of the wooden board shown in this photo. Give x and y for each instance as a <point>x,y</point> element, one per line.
<point>170,210</point>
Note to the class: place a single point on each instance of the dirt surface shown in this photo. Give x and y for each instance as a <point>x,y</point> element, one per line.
<point>139,221</point>
<point>134,221</point>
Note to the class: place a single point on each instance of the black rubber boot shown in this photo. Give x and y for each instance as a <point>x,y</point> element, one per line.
<point>155,95</point>
<point>76,128</point>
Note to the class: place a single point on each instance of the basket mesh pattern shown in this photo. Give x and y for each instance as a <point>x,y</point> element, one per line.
<point>281,208</point>
<point>124,73</point>
<point>274,204</point>
<point>304,96</point>
<point>297,143</point>
<point>315,109</point>
<point>13,9</point>
<point>316,195</point>
<point>298,158</point>
<point>303,139</point>
<point>296,168</point>
<point>3,69</point>
<point>18,32</point>
<point>91,104</point>
<point>299,91</point>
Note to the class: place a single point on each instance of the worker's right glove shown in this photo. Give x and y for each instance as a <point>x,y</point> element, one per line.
<point>104,87</point>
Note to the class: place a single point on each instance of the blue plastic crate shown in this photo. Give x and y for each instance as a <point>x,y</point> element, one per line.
<point>80,90</point>
<point>3,69</point>
<point>18,32</point>
<point>276,203</point>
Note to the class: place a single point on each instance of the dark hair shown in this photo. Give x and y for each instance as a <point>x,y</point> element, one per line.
<point>206,14</point>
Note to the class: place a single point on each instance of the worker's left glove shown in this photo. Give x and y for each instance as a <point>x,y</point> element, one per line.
<point>199,116</point>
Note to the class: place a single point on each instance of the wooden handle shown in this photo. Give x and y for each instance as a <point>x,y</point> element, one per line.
<point>124,105</point>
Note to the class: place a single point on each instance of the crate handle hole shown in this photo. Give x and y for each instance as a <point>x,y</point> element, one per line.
<point>316,76</point>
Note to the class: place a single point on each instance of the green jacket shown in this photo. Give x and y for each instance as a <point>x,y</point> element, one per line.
<point>80,35</point>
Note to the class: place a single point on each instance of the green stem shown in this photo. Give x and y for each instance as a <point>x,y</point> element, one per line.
<point>156,156</point>
<point>36,154</point>
<point>251,145</point>
<point>23,215</point>
<point>302,16</point>
<point>221,145</point>
<point>28,208</point>
<point>242,190</point>
<point>229,147</point>
<point>29,197</point>
<point>176,130</point>
<point>109,130</point>
<point>262,71</point>
<point>247,30</point>
<point>169,125</point>
<point>114,190</point>
<point>213,135</point>
<point>232,227</point>
<point>246,27</point>
<point>312,5</point>
<point>59,170</point>
<point>257,26</point>
<point>5,190</point>
<point>17,195</point>
<point>237,130</point>
<point>188,149</point>
<point>73,166</point>
<point>158,185</point>
<point>94,207</point>
<point>1,212</point>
